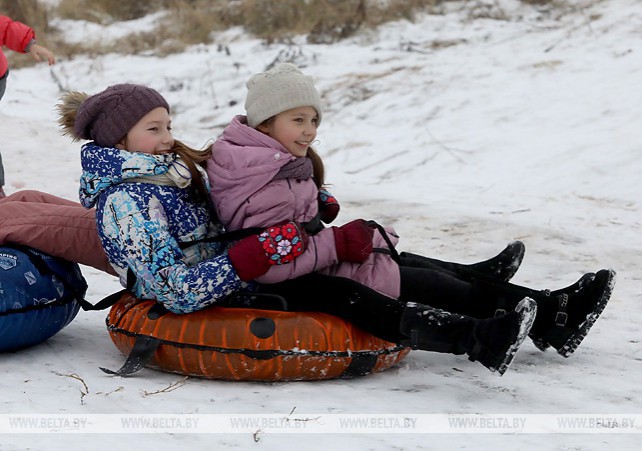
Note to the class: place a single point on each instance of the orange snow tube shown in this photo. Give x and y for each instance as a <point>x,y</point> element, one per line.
<point>245,343</point>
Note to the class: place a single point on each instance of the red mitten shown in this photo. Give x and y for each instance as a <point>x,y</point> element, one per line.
<point>328,206</point>
<point>277,245</point>
<point>353,241</point>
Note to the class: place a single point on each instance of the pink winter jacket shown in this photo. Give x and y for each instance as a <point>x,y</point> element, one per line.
<point>244,161</point>
<point>14,35</point>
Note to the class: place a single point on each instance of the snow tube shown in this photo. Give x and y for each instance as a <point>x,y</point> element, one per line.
<point>245,344</point>
<point>38,296</point>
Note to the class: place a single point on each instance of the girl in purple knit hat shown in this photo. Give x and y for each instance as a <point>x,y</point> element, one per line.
<point>263,170</point>
<point>150,194</point>
<point>145,213</point>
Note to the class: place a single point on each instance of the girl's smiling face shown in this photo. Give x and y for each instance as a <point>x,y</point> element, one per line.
<point>151,134</point>
<point>295,129</point>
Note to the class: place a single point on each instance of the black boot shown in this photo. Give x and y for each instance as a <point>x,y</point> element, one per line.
<point>564,316</point>
<point>493,342</point>
<point>502,267</point>
<point>587,278</point>
<point>567,317</point>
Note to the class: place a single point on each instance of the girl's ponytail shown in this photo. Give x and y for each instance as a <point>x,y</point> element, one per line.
<point>192,157</point>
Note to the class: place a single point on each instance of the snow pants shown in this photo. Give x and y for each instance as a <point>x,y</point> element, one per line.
<point>53,225</point>
<point>381,315</point>
<point>364,307</point>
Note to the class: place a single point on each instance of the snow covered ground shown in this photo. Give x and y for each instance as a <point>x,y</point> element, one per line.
<point>463,134</point>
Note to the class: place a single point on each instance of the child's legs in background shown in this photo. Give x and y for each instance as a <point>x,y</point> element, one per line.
<point>40,197</point>
<point>53,225</point>
<point>3,83</point>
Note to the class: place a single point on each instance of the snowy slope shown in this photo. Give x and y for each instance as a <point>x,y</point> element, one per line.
<point>463,134</point>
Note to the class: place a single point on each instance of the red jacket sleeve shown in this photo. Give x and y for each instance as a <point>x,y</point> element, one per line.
<point>15,35</point>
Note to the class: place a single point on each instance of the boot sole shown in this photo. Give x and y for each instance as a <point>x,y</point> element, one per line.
<point>574,340</point>
<point>527,309</point>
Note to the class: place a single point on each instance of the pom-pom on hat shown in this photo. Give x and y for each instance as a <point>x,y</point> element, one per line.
<point>279,89</point>
<point>108,116</point>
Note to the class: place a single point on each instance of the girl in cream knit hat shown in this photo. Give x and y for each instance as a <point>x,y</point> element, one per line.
<point>263,171</point>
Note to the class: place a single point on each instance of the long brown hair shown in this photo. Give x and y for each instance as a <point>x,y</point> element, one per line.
<point>192,157</point>
<point>318,169</point>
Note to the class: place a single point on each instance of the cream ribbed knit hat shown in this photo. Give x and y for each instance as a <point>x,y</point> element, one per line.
<point>279,89</point>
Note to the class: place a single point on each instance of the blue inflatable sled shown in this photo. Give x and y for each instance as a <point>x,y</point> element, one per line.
<point>39,295</point>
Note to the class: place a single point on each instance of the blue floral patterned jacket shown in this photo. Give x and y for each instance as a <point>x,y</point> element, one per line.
<point>141,225</point>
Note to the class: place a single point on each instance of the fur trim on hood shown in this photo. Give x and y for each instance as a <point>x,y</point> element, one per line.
<point>68,109</point>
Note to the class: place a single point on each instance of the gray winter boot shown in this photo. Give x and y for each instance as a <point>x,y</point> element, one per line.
<point>493,341</point>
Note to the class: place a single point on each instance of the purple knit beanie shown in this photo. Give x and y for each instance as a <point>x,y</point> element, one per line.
<point>108,116</point>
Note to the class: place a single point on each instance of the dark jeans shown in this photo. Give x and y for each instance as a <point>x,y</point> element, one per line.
<point>3,85</point>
